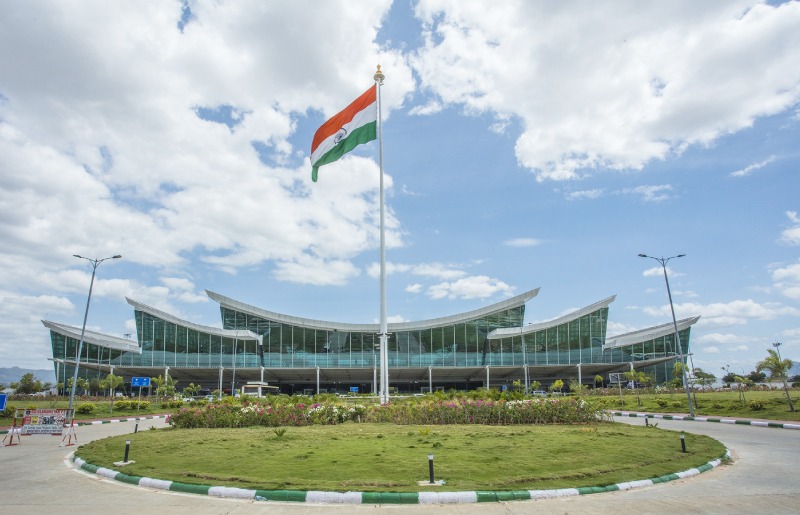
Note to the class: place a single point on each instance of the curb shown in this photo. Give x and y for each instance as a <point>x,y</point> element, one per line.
<point>739,421</point>
<point>320,497</point>
<point>108,421</point>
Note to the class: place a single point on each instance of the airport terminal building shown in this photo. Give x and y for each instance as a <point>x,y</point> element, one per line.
<point>487,347</point>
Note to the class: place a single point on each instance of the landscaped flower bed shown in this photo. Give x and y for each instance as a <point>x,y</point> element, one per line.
<point>567,410</point>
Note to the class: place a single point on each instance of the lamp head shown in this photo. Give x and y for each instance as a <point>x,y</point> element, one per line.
<point>680,255</point>
<point>643,255</point>
<point>116,257</point>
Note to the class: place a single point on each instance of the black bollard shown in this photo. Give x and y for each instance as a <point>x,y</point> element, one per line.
<point>430,467</point>
<point>683,443</point>
<point>136,428</point>
<point>127,448</point>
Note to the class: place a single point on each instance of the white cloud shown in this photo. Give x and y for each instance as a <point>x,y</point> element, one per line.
<point>737,312</point>
<point>577,195</point>
<point>710,350</point>
<point>430,108</point>
<point>791,236</point>
<point>787,280</point>
<point>658,271</point>
<point>435,270</point>
<point>751,168</point>
<point>647,91</point>
<point>474,287</point>
<point>654,194</point>
<point>522,242</point>
<point>414,288</point>
<point>716,338</point>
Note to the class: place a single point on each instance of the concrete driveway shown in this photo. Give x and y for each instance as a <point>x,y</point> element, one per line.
<point>763,478</point>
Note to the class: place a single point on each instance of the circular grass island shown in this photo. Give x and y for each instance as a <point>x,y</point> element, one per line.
<point>385,457</point>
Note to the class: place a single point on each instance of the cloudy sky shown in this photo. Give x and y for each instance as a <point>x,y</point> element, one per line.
<point>526,144</point>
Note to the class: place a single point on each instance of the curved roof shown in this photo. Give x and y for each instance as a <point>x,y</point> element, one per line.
<point>242,334</point>
<point>95,338</point>
<point>649,333</point>
<point>235,305</point>
<point>505,332</point>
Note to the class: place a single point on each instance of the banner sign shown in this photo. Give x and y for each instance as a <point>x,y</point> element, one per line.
<point>141,382</point>
<point>3,398</point>
<point>43,421</point>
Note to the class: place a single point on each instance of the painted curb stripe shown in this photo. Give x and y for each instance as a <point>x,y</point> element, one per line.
<point>321,497</point>
<point>744,422</point>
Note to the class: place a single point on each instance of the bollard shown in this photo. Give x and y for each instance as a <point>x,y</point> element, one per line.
<point>683,443</point>
<point>646,422</point>
<point>430,467</point>
<point>127,448</point>
<point>136,428</point>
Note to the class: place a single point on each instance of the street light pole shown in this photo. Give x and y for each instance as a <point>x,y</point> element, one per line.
<point>95,263</point>
<point>663,262</point>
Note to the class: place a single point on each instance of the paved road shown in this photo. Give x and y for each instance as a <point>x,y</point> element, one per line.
<point>763,479</point>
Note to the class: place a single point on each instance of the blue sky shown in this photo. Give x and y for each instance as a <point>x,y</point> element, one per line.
<point>527,145</point>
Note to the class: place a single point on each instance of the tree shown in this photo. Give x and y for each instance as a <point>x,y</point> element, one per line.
<point>638,377</point>
<point>598,379</point>
<point>778,369</point>
<point>192,389</point>
<point>557,385</point>
<point>757,376</point>
<point>741,384</point>
<point>576,387</point>
<point>111,382</point>
<point>27,384</point>
<point>704,378</point>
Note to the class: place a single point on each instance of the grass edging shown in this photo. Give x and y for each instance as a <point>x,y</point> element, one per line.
<point>321,497</point>
<point>722,420</point>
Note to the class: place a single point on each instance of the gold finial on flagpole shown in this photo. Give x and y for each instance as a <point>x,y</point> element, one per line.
<point>379,76</point>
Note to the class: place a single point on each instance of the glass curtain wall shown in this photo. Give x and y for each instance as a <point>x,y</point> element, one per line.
<point>578,341</point>
<point>452,345</point>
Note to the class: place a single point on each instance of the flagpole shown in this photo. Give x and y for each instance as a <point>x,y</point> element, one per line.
<point>384,351</point>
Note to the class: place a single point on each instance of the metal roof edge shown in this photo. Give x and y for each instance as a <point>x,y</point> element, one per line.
<point>93,337</point>
<point>231,333</point>
<point>569,317</point>
<point>515,301</point>
<point>648,333</point>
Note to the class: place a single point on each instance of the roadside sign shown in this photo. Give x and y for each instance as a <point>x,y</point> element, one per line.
<point>3,397</point>
<point>141,382</point>
<point>354,389</point>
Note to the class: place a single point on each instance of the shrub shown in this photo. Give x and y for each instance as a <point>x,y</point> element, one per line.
<point>662,403</point>
<point>677,404</point>
<point>86,408</point>
<point>756,404</point>
<point>122,404</point>
<point>9,411</point>
<point>717,405</point>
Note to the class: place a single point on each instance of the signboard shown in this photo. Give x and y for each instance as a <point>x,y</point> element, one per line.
<point>141,382</point>
<point>3,401</point>
<point>43,421</point>
<point>354,389</point>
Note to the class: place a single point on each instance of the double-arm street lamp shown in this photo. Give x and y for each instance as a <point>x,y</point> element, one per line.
<point>663,262</point>
<point>95,263</point>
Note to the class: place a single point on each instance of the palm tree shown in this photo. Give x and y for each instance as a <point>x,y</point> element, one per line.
<point>778,369</point>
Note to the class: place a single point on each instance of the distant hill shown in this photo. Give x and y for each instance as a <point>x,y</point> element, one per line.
<point>14,374</point>
<point>795,370</point>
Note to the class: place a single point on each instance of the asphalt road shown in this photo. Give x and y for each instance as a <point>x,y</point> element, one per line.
<point>763,478</point>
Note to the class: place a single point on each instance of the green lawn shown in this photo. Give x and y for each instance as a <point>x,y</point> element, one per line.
<point>384,457</point>
<point>714,404</point>
<point>102,407</point>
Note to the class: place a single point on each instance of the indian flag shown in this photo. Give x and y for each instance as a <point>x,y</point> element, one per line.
<point>355,125</point>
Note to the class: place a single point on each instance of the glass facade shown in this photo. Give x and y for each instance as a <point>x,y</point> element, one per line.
<point>570,343</point>
<point>258,341</point>
<point>462,344</point>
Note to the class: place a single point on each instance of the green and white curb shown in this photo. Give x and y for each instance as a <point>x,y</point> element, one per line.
<point>319,497</point>
<point>739,421</point>
<point>98,422</point>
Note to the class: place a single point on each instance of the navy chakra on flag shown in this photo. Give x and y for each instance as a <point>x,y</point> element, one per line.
<point>340,135</point>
